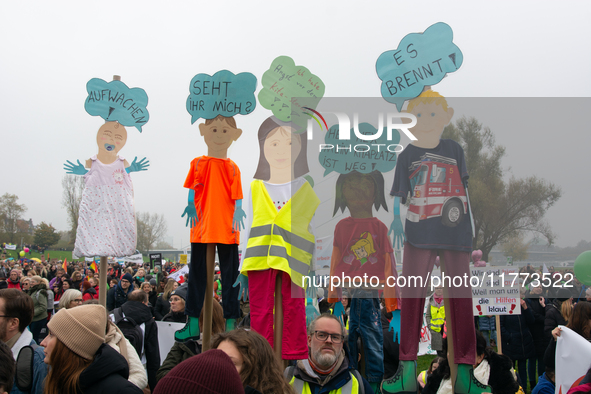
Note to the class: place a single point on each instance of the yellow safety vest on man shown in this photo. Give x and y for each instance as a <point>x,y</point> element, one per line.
<point>351,387</point>
<point>437,318</point>
<point>280,239</point>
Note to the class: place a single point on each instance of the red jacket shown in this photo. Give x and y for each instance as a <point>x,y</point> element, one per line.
<point>12,285</point>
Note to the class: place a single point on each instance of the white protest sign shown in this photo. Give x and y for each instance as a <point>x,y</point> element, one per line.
<point>177,274</point>
<point>572,359</point>
<point>10,247</point>
<point>135,258</point>
<point>166,337</point>
<point>495,291</point>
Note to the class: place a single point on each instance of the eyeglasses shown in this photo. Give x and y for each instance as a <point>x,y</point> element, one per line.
<point>78,300</point>
<point>323,336</point>
<point>7,316</point>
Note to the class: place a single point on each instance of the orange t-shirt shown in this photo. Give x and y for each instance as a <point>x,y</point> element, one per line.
<point>217,186</point>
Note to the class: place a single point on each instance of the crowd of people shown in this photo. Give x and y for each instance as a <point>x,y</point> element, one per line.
<point>50,314</point>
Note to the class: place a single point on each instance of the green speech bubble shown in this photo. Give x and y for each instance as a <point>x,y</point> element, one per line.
<point>283,83</point>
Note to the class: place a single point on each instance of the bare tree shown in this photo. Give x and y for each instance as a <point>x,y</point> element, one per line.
<point>73,186</point>
<point>503,209</point>
<point>151,228</point>
<point>10,212</point>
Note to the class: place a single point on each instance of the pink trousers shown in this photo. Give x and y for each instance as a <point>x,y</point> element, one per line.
<point>418,262</point>
<point>261,284</point>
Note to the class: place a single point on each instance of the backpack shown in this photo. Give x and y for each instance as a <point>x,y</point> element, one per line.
<point>131,330</point>
<point>289,371</point>
<point>23,378</point>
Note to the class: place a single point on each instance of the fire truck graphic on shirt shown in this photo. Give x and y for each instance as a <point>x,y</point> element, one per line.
<point>437,190</point>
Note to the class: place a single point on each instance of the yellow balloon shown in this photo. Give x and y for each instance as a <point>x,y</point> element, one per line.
<point>21,253</point>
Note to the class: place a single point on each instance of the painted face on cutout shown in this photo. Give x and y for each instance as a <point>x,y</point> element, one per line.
<point>431,120</point>
<point>281,148</point>
<point>219,135</point>
<point>111,137</point>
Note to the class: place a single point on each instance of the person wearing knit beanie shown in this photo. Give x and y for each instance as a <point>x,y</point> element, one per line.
<point>81,329</point>
<point>117,295</point>
<point>212,372</point>
<point>81,363</point>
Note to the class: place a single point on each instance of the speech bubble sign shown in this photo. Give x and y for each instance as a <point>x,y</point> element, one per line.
<point>114,101</point>
<point>223,94</point>
<point>421,59</point>
<point>283,83</point>
<point>355,154</point>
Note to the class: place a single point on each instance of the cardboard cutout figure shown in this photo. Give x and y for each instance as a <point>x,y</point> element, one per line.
<point>214,213</point>
<point>106,223</point>
<point>281,239</point>
<point>438,223</point>
<point>362,249</point>
<point>215,197</point>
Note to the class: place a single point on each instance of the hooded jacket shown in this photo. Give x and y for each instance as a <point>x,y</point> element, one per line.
<point>39,295</point>
<point>108,373</point>
<point>544,386</point>
<point>142,315</point>
<point>89,294</point>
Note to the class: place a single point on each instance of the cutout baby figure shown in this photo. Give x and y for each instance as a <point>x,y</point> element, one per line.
<point>280,237</point>
<point>362,249</point>
<point>106,223</point>
<point>433,172</point>
<point>215,215</point>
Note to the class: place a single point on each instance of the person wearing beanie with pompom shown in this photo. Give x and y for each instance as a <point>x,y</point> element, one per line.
<point>80,360</point>
<point>212,372</point>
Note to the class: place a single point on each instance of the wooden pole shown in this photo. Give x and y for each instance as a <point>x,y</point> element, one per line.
<point>450,330</point>
<point>498,326</point>
<point>103,282</point>
<point>278,319</point>
<point>208,302</point>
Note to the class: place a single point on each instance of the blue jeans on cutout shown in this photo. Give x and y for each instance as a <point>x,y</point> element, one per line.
<point>364,321</point>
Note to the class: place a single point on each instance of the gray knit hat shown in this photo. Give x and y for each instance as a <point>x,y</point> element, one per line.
<point>81,329</point>
<point>181,291</point>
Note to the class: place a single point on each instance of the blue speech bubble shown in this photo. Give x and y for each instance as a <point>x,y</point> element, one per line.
<point>283,84</point>
<point>223,94</point>
<point>355,154</point>
<point>114,101</point>
<point>420,59</point>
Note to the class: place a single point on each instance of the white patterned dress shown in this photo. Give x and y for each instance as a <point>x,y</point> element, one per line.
<point>106,221</point>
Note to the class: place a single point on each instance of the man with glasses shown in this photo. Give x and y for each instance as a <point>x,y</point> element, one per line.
<point>327,367</point>
<point>117,296</point>
<point>16,313</point>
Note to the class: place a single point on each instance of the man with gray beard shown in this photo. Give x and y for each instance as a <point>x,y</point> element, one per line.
<point>327,367</point>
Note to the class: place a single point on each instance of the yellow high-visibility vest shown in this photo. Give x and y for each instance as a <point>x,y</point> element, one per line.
<point>278,240</point>
<point>437,318</point>
<point>351,387</point>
